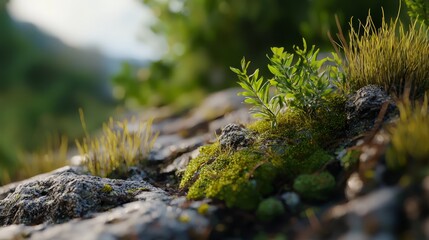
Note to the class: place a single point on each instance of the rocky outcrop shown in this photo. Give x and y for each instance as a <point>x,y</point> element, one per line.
<point>66,195</point>
<point>363,107</point>
<point>235,136</point>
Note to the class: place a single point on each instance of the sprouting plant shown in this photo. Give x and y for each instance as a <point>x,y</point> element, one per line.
<point>117,149</point>
<point>300,82</point>
<point>418,9</point>
<point>393,57</point>
<point>257,93</point>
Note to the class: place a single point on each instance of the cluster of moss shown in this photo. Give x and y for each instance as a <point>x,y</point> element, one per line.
<point>242,178</point>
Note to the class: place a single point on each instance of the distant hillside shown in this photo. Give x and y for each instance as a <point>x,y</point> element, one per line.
<point>43,83</point>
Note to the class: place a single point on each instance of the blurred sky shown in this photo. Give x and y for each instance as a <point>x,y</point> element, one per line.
<point>115,27</point>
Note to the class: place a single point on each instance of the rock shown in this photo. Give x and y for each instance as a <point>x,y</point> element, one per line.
<point>151,218</point>
<point>179,164</point>
<point>215,106</point>
<point>363,107</point>
<point>239,116</point>
<point>370,216</point>
<point>171,150</point>
<point>66,195</point>
<point>235,136</point>
<point>291,200</point>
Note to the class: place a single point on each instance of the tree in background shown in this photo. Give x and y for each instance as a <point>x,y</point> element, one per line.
<point>205,37</point>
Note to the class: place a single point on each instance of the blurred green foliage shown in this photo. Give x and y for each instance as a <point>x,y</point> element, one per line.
<point>418,9</point>
<point>40,92</point>
<point>204,37</point>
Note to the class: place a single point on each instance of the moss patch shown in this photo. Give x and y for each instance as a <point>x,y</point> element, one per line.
<point>269,209</point>
<point>242,178</point>
<point>107,188</point>
<point>315,186</point>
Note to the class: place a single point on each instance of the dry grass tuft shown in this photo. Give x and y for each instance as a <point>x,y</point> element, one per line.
<point>392,56</point>
<point>49,158</point>
<point>117,148</point>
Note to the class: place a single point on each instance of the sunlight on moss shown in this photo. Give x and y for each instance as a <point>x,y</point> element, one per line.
<point>242,178</point>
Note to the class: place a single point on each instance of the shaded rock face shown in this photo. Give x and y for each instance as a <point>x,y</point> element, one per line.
<point>363,107</point>
<point>66,195</point>
<point>235,136</point>
<point>374,216</point>
<point>149,219</point>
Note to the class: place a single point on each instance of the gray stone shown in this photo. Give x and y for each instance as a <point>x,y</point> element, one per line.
<point>179,164</point>
<point>370,216</point>
<point>291,199</point>
<point>65,195</point>
<point>236,136</point>
<point>363,107</point>
<point>171,150</point>
<point>146,219</point>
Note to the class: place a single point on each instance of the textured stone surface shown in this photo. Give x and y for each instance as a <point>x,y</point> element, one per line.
<point>171,150</point>
<point>363,107</point>
<point>149,219</point>
<point>155,216</point>
<point>235,136</point>
<point>66,195</point>
<point>376,214</point>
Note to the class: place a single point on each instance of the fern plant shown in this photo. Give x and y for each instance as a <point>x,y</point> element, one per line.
<point>299,83</point>
<point>257,93</point>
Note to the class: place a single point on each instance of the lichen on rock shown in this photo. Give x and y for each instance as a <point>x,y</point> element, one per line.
<point>363,107</point>
<point>66,195</point>
<point>235,136</point>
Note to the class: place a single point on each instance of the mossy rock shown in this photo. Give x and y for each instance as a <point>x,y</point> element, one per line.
<point>243,177</point>
<point>239,178</point>
<point>315,186</point>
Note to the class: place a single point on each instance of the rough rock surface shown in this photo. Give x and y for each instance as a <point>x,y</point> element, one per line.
<point>85,207</point>
<point>235,136</point>
<point>363,107</point>
<point>66,195</point>
<point>155,216</point>
<point>374,216</point>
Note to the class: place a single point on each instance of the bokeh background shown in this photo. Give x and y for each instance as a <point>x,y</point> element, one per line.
<point>107,56</point>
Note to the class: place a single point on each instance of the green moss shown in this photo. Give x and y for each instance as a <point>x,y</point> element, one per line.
<point>203,209</point>
<point>350,159</point>
<point>107,188</point>
<point>243,178</point>
<point>239,178</point>
<point>269,209</point>
<point>315,186</point>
